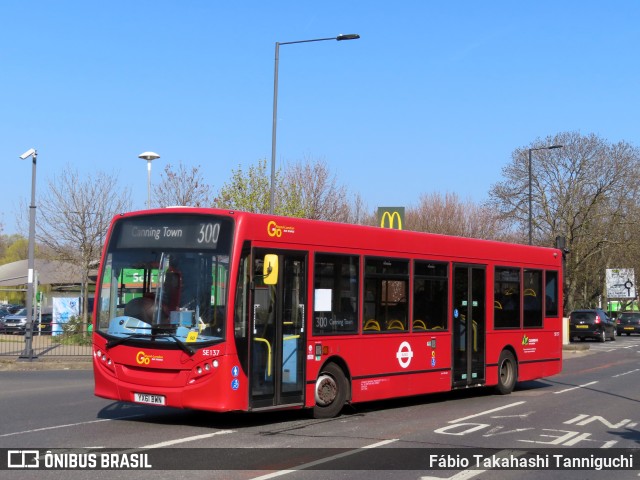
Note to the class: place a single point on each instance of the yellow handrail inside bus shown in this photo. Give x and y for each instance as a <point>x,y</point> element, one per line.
<point>371,324</point>
<point>530,292</point>
<point>497,305</point>
<point>258,339</point>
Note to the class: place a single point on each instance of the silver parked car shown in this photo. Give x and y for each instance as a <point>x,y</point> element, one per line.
<point>15,323</point>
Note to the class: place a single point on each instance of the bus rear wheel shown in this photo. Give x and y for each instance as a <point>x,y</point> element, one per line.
<point>507,373</point>
<point>331,392</point>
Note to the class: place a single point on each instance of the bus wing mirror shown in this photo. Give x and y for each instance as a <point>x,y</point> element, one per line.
<point>270,269</point>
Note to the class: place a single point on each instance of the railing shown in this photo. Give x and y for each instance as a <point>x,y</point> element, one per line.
<point>68,342</point>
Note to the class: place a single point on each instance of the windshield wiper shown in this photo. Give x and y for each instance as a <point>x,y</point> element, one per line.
<point>184,347</point>
<point>117,341</point>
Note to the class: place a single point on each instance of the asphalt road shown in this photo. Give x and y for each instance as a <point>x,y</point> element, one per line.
<point>592,404</point>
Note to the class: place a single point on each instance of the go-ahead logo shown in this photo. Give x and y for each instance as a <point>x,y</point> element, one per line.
<point>146,358</point>
<point>275,230</point>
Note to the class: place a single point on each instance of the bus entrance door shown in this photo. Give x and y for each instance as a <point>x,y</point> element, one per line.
<point>468,325</point>
<point>277,333</point>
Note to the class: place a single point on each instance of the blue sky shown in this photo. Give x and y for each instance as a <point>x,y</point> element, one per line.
<point>434,96</point>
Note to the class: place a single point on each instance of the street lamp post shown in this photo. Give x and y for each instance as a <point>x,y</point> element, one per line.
<point>149,157</point>
<point>27,353</point>
<point>351,36</point>
<point>548,147</point>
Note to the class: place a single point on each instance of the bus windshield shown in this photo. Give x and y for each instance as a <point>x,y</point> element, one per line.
<point>172,290</point>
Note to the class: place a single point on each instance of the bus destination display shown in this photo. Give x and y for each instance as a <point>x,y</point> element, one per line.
<point>198,232</point>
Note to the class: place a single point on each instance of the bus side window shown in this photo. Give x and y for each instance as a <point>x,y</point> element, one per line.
<point>386,291</point>
<point>430,296</point>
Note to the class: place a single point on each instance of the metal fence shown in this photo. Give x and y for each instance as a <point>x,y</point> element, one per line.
<point>65,344</point>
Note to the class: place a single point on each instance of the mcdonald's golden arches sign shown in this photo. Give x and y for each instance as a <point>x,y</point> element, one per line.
<point>391,217</point>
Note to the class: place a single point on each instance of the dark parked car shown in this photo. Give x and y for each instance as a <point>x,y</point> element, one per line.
<point>628,322</point>
<point>42,324</point>
<point>591,323</point>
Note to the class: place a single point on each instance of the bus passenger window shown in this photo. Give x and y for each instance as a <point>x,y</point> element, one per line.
<point>385,300</point>
<point>532,298</point>
<point>430,296</point>
<point>336,292</point>
<point>551,294</point>
<point>506,305</point>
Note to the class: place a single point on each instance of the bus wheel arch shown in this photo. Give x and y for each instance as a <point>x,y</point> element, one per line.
<point>507,372</point>
<point>332,389</point>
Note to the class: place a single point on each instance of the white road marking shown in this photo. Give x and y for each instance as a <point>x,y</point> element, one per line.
<point>576,388</point>
<point>187,439</point>
<point>322,460</point>
<point>23,432</point>
<point>486,412</point>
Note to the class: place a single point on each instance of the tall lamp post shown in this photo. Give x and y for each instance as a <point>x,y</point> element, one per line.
<point>27,353</point>
<point>548,147</point>
<point>149,157</point>
<point>351,36</point>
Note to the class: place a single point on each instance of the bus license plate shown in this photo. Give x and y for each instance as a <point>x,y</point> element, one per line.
<point>148,398</point>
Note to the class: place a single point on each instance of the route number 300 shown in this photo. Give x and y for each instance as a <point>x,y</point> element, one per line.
<point>209,233</point>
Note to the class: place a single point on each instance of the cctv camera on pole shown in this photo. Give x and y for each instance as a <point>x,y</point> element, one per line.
<point>27,353</point>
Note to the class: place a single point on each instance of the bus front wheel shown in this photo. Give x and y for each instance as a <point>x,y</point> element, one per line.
<point>331,392</point>
<point>507,373</point>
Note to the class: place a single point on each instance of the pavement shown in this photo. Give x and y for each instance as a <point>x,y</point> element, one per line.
<point>46,363</point>
<point>85,362</point>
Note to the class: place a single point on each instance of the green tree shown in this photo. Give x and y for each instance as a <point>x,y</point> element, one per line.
<point>16,248</point>
<point>246,191</point>
<point>306,190</point>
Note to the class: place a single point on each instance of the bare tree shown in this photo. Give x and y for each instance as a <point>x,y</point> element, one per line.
<point>448,215</point>
<point>313,192</point>
<point>587,192</point>
<point>306,190</point>
<point>73,217</point>
<point>183,188</point>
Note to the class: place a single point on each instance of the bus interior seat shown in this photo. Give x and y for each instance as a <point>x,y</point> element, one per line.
<point>395,325</point>
<point>372,324</point>
<point>419,325</point>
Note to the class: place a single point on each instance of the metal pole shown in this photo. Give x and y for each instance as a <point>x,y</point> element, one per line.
<point>273,131</point>
<point>149,184</point>
<point>530,200</point>
<point>27,353</point>
<point>351,36</point>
